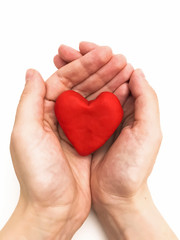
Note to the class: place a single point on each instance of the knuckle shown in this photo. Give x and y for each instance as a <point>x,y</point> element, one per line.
<point>131,182</point>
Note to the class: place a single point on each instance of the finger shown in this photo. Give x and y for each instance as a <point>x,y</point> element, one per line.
<point>86,47</point>
<point>101,77</point>
<point>77,71</point>
<point>68,54</point>
<point>58,62</point>
<point>122,93</point>
<point>146,103</point>
<point>122,77</point>
<point>30,108</point>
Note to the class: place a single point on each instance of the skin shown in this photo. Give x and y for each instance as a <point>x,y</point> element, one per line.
<point>120,168</point>
<point>55,195</point>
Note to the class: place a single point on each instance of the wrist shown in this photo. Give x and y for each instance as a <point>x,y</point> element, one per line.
<point>114,213</point>
<point>134,218</point>
<point>29,222</point>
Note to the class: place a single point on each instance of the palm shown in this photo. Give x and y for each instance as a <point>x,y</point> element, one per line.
<point>116,162</point>
<point>110,163</point>
<point>123,165</point>
<point>64,162</point>
<point>48,169</point>
<point>111,77</point>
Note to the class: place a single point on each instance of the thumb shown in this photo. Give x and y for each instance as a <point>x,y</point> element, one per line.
<point>30,108</point>
<point>146,102</point>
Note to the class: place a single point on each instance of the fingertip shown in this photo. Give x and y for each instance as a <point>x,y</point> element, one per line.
<point>139,86</point>
<point>86,47</point>
<point>30,108</point>
<point>87,43</point>
<point>58,62</point>
<point>105,53</point>
<point>29,74</point>
<point>34,82</point>
<point>61,47</point>
<point>136,76</point>
<point>68,54</point>
<point>125,89</point>
<point>122,93</point>
<point>139,73</point>
<point>130,67</point>
<point>55,61</point>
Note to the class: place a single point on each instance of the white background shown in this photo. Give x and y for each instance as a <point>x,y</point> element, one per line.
<point>146,32</point>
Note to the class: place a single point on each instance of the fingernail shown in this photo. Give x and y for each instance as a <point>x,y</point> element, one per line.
<point>29,74</point>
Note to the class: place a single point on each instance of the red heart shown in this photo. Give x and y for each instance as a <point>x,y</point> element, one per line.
<point>88,124</point>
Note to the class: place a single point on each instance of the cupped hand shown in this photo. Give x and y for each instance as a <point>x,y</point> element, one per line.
<point>120,168</point>
<point>54,186</point>
<point>122,165</point>
<point>54,179</point>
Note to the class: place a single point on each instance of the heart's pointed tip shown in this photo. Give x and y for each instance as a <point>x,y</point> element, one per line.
<point>84,154</point>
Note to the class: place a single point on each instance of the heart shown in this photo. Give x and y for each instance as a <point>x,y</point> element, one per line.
<point>88,124</point>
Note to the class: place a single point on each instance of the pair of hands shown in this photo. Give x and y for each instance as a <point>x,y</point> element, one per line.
<point>58,185</point>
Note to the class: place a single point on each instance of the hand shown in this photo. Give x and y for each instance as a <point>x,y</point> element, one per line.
<point>55,189</point>
<point>104,160</point>
<point>120,170</point>
<point>55,195</point>
<point>121,167</point>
